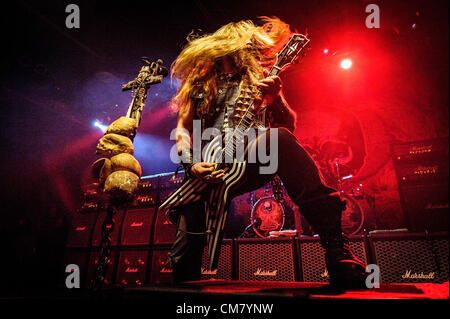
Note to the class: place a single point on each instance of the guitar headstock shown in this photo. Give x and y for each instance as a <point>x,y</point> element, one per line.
<point>291,51</point>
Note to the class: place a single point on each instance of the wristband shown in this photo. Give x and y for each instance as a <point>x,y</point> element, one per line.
<point>186,160</point>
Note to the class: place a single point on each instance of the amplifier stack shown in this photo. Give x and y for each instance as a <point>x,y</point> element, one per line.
<point>137,259</point>
<point>142,237</point>
<point>422,173</point>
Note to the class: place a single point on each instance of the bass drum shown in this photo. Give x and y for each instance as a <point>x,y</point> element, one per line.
<point>352,217</point>
<point>267,215</point>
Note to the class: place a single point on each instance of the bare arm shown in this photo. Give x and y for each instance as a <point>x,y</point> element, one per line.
<point>184,127</point>
<point>280,114</point>
<point>183,142</point>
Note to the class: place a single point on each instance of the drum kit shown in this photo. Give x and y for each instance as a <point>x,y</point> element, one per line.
<point>272,211</point>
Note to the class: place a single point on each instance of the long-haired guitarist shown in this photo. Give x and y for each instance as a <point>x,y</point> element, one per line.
<point>214,70</point>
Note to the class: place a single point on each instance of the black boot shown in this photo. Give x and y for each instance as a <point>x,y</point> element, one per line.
<point>344,269</point>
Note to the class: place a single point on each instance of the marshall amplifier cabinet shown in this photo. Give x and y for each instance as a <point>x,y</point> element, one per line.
<point>145,200</point>
<point>422,173</point>
<point>132,268</point>
<point>420,151</point>
<point>137,226</point>
<point>224,270</point>
<point>426,207</point>
<point>312,257</point>
<point>411,257</point>
<point>147,192</point>
<point>93,200</point>
<point>110,271</point>
<point>271,259</point>
<point>164,233</point>
<point>161,269</point>
<point>80,230</point>
<point>97,236</point>
<point>91,207</point>
<point>168,183</point>
<point>422,170</point>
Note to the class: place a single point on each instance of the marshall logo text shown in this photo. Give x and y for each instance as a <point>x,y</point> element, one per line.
<point>209,272</point>
<point>409,275</point>
<point>268,273</point>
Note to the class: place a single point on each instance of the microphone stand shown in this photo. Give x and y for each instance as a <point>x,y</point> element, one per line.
<point>250,229</point>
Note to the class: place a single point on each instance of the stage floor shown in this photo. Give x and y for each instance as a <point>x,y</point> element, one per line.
<point>288,290</point>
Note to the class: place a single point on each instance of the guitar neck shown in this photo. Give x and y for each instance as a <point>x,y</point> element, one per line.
<point>285,57</point>
<point>248,117</point>
<point>274,70</point>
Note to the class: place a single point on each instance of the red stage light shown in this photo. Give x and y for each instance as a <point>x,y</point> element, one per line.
<point>346,64</point>
<point>325,51</point>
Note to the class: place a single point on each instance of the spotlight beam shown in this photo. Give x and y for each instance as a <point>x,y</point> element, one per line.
<point>346,64</point>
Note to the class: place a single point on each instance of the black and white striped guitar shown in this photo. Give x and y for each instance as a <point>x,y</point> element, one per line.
<point>217,196</point>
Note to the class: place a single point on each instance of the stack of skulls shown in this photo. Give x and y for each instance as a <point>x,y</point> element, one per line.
<point>118,175</point>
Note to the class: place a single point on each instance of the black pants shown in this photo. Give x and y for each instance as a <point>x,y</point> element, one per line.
<point>296,169</point>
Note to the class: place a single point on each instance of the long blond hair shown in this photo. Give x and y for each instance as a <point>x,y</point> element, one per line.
<point>251,47</point>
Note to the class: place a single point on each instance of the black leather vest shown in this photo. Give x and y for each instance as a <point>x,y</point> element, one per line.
<point>219,113</point>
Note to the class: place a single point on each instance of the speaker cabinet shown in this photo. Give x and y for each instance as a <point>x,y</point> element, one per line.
<point>161,271</point>
<point>411,257</point>
<point>97,236</point>
<point>164,233</point>
<point>312,257</point>
<point>224,270</point>
<point>147,193</point>
<point>80,230</point>
<point>422,170</point>
<point>110,270</point>
<point>266,259</point>
<point>426,207</point>
<point>137,226</point>
<point>132,267</point>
